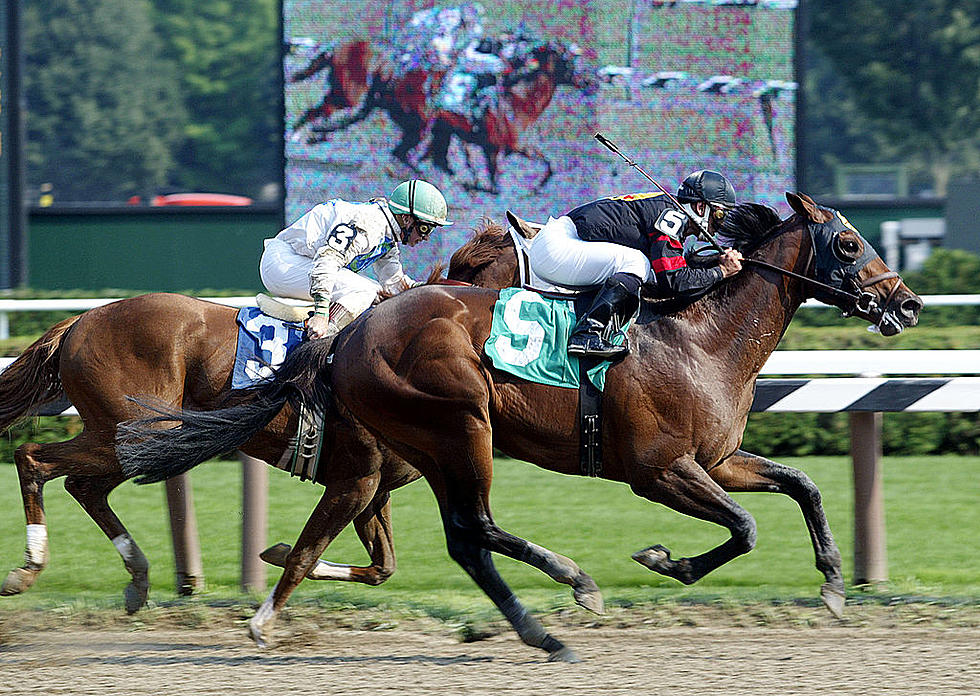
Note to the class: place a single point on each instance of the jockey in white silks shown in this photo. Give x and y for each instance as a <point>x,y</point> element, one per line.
<point>320,256</point>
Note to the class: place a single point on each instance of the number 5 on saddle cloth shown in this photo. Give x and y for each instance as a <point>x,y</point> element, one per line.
<point>529,338</point>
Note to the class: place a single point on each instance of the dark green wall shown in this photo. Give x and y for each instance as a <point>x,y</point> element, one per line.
<point>148,249</point>
<point>867,216</point>
<point>188,249</point>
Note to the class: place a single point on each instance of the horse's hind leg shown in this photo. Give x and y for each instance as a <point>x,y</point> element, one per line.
<point>92,493</point>
<point>342,500</point>
<point>685,487</point>
<point>32,474</point>
<point>747,472</point>
<point>462,487</point>
<point>373,526</point>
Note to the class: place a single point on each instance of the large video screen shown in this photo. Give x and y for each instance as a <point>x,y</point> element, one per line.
<point>497,104</point>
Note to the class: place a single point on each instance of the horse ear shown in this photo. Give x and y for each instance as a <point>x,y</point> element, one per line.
<point>804,205</point>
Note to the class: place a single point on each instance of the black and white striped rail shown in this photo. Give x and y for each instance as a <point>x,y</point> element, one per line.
<point>830,395</point>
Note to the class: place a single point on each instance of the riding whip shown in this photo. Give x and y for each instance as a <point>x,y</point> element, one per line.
<point>703,229</point>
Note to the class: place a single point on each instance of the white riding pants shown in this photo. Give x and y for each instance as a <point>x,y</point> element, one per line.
<point>287,274</point>
<point>558,256</point>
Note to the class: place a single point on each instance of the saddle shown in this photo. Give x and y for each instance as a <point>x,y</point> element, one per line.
<point>285,308</point>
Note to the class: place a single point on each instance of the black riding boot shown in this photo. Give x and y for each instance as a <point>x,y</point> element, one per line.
<point>613,307</point>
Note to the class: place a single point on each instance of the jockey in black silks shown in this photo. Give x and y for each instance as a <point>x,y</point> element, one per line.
<point>628,242</point>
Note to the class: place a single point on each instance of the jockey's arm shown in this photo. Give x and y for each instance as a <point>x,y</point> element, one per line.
<point>674,277</point>
<point>390,273</point>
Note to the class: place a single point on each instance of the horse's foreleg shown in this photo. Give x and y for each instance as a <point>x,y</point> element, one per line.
<point>747,472</point>
<point>92,493</point>
<point>685,487</point>
<point>341,502</point>
<point>373,526</point>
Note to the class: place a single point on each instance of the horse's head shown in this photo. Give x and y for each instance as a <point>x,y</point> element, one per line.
<point>563,61</point>
<point>853,276</point>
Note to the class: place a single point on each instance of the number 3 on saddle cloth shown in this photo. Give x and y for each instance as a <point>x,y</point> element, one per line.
<point>263,343</point>
<point>529,339</point>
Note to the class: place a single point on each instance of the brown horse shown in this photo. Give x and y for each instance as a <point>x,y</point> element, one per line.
<point>527,92</point>
<point>413,372</point>
<point>404,95</point>
<point>180,351</point>
<point>362,80</point>
<point>349,67</point>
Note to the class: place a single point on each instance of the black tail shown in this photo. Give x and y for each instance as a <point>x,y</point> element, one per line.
<point>154,454</point>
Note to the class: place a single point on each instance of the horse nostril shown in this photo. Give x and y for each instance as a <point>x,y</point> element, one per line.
<point>911,306</point>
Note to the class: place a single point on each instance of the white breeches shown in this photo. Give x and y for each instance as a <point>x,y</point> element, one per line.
<point>558,256</point>
<point>287,274</point>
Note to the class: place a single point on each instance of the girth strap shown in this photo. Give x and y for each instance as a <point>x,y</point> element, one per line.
<point>590,421</point>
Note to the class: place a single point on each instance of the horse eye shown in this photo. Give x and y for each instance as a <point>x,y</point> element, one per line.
<point>848,247</point>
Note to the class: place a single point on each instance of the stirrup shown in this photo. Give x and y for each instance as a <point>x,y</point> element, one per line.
<point>595,347</point>
<point>285,308</point>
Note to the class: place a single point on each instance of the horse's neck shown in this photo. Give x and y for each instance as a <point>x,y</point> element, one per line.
<point>743,324</point>
<point>531,99</point>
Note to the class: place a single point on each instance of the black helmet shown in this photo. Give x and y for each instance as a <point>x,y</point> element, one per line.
<point>709,186</point>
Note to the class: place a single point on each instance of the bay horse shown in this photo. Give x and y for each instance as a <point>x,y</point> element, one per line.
<point>525,94</point>
<point>180,351</point>
<point>412,371</point>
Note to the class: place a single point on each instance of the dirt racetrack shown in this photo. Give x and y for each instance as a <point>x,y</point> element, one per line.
<point>755,653</point>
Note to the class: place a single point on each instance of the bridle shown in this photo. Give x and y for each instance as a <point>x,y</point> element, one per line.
<point>861,300</point>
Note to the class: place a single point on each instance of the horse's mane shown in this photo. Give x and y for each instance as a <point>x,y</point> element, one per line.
<point>747,224</point>
<point>489,239</point>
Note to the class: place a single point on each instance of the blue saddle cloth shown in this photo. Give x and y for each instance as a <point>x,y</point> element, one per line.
<point>263,343</point>
<point>529,339</point>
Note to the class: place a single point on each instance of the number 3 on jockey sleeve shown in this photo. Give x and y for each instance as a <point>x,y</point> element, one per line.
<point>341,236</point>
<point>671,223</point>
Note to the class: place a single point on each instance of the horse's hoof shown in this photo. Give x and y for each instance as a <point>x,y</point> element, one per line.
<point>18,580</point>
<point>135,597</point>
<point>591,600</point>
<point>255,633</point>
<point>563,654</point>
<point>276,554</point>
<point>656,558</point>
<point>833,599</point>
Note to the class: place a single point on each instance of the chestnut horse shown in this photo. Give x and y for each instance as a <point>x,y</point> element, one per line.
<point>527,92</point>
<point>413,372</point>
<point>180,351</point>
<point>404,96</point>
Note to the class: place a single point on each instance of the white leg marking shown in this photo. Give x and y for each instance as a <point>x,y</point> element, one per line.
<point>325,570</point>
<point>37,544</point>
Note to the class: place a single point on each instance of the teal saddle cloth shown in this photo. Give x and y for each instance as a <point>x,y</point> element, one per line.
<point>529,338</point>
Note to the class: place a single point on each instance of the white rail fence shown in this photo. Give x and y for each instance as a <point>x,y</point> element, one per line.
<point>859,382</point>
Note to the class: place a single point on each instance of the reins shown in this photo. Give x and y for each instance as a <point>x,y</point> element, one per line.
<point>863,301</point>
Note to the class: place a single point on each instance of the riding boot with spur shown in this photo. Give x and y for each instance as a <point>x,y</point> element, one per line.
<point>613,307</point>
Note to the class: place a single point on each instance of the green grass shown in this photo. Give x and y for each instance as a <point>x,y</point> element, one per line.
<point>931,509</point>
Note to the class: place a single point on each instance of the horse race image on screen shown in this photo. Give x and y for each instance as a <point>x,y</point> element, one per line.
<point>497,103</point>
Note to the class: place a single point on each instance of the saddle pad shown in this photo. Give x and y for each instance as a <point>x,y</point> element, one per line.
<point>263,342</point>
<point>529,339</point>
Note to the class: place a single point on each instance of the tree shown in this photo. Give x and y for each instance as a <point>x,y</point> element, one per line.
<point>913,69</point>
<point>103,112</point>
<point>227,53</point>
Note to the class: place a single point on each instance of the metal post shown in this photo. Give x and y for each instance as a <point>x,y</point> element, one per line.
<point>183,530</point>
<point>255,515</point>
<point>870,558</point>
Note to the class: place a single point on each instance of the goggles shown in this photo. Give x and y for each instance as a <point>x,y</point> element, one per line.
<point>424,229</point>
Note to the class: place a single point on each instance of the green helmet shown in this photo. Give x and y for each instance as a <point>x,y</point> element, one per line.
<point>421,199</point>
